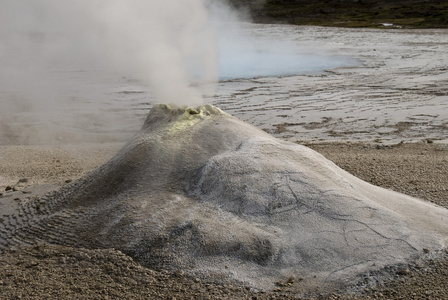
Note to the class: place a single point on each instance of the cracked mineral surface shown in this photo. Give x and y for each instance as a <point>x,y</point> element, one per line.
<point>201,191</point>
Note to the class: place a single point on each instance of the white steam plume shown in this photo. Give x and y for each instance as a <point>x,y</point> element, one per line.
<point>157,42</point>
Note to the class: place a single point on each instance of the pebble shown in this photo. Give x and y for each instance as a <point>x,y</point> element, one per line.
<point>291,279</point>
<point>404,271</point>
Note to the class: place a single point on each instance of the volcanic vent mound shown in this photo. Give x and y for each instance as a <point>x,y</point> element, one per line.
<point>201,191</point>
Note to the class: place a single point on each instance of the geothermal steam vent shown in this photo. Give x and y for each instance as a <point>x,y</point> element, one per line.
<point>200,190</point>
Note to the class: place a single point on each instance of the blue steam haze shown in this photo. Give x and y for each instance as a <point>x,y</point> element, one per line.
<point>252,51</point>
<point>267,64</point>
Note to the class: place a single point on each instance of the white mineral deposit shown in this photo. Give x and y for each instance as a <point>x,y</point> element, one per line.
<point>197,190</point>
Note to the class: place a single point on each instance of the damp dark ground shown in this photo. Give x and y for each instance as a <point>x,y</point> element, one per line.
<point>350,13</point>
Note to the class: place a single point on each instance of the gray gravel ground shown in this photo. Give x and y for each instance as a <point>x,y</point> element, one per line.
<point>55,272</point>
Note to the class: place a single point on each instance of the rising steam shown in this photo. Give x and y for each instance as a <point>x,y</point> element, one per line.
<point>55,54</point>
<point>157,42</point>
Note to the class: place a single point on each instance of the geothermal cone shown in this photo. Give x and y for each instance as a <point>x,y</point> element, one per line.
<point>201,191</point>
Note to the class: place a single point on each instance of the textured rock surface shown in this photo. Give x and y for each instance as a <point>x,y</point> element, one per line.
<point>202,191</point>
